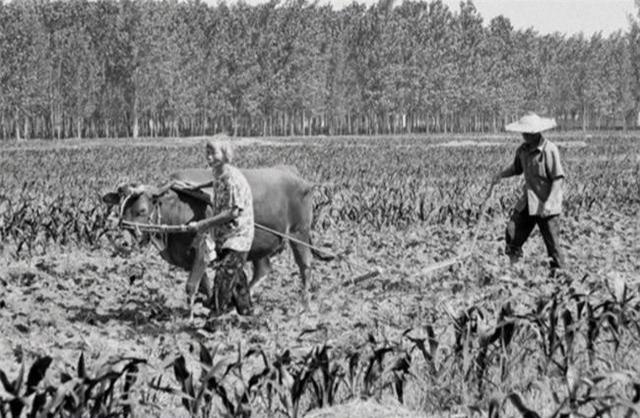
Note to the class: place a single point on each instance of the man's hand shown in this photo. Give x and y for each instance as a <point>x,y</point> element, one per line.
<point>546,210</point>
<point>230,215</point>
<point>507,172</point>
<point>185,185</point>
<point>235,211</point>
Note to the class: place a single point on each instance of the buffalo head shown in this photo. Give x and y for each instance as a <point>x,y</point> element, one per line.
<point>132,203</point>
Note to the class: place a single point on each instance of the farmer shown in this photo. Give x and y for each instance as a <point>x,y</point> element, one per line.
<point>540,204</point>
<point>232,241</point>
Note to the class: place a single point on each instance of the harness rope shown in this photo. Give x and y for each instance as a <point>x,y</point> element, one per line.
<point>172,229</point>
<point>156,228</point>
<point>159,232</point>
<point>292,239</point>
<point>164,230</point>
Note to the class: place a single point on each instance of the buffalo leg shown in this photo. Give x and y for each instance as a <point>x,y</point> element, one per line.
<point>302,256</point>
<point>194,282</point>
<point>206,286</point>
<point>261,268</point>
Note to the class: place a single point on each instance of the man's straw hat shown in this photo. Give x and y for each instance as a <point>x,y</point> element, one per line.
<point>531,124</point>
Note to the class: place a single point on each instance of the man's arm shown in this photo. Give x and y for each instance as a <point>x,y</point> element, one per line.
<point>513,169</point>
<point>507,172</point>
<point>556,187</point>
<point>556,175</point>
<point>554,196</point>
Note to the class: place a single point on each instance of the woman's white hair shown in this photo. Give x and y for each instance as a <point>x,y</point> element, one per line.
<point>220,145</point>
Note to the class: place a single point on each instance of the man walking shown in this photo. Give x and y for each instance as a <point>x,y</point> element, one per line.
<point>538,159</point>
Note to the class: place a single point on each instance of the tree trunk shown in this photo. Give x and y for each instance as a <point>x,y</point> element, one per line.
<point>234,122</point>
<point>26,133</point>
<point>134,115</point>
<point>52,117</point>
<point>291,117</point>
<point>67,127</point>
<point>17,127</point>
<point>79,128</point>
<point>205,122</point>
<point>56,122</point>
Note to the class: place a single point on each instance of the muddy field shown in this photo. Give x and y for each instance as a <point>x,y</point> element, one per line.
<point>399,205</point>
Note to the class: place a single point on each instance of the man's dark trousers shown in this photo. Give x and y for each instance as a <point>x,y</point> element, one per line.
<point>520,227</point>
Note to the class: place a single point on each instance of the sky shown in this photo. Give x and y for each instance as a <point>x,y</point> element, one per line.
<point>565,16</point>
<point>545,16</point>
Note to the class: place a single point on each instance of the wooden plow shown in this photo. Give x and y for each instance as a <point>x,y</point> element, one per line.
<point>204,224</point>
<point>199,226</point>
<point>472,245</point>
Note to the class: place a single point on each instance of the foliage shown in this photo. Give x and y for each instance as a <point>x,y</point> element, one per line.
<point>553,347</point>
<point>114,68</point>
<point>568,334</point>
<point>576,332</point>
<point>104,393</point>
<point>374,182</point>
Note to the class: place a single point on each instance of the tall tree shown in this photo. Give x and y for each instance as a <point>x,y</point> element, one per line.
<point>24,55</point>
<point>504,91</point>
<point>290,67</point>
<point>634,51</point>
<point>470,56</point>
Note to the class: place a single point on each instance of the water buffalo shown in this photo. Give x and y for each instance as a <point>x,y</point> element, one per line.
<point>282,202</point>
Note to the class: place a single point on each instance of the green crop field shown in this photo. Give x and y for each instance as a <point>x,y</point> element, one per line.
<point>111,335</point>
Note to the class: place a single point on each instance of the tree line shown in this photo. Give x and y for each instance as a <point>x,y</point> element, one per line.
<point>114,68</point>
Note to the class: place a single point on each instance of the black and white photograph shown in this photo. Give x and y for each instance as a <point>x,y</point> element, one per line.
<point>320,208</point>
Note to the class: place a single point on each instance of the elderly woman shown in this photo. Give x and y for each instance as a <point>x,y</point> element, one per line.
<point>232,241</point>
<point>538,160</point>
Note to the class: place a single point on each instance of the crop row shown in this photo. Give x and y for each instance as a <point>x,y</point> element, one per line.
<point>575,344</point>
<point>52,197</point>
